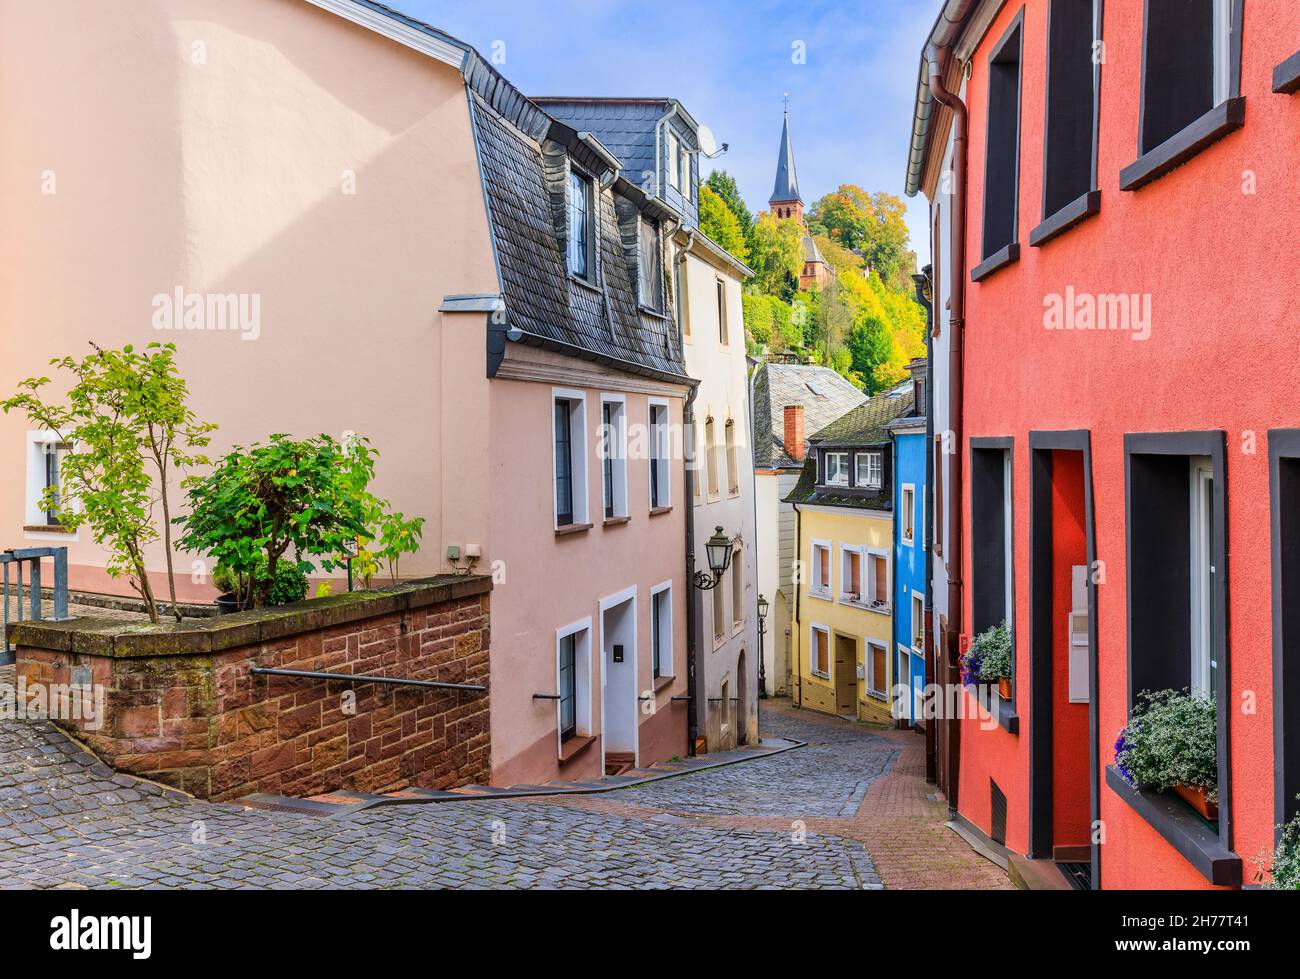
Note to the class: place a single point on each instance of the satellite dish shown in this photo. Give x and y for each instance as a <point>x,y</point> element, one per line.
<point>708,145</point>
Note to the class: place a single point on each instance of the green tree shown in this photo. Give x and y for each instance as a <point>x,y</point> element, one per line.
<point>126,412</point>
<point>776,256</point>
<point>264,500</point>
<point>871,348</point>
<point>719,223</point>
<point>872,225</point>
<point>724,185</point>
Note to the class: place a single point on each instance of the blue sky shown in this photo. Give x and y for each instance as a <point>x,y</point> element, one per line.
<point>730,62</point>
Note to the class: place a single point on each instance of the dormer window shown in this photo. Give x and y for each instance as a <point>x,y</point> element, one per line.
<point>837,468</point>
<point>684,176</point>
<point>870,470</point>
<point>674,162</point>
<point>651,262</point>
<point>581,232</point>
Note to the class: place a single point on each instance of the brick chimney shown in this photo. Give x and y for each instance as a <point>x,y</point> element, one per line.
<point>794,432</point>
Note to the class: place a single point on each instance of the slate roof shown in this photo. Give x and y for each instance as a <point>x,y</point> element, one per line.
<point>778,385</point>
<point>626,126</point>
<point>787,182</point>
<point>811,253</point>
<point>542,300</point>
<point>868,424</point>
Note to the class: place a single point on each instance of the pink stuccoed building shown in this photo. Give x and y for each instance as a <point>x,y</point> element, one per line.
<point>348,221</point>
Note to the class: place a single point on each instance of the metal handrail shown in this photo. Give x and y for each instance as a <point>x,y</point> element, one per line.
<point>366,678</point>
<point>32,556</point>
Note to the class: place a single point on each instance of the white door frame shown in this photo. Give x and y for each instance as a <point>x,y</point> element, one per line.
<point>613,601</point>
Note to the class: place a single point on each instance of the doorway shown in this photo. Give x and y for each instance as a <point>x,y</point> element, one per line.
<point>846,676</point>
<point>618,687</point>
<point>742,700</point>
<point>1063,784</point>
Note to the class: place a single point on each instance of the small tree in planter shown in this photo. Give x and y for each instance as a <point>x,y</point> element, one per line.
<point>389,535</point>
<point>125,410</point>
<point>262,501</point>
<point>988,660</point>
<point>1172,743</point>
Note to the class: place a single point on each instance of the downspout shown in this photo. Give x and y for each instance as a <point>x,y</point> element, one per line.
<point>796,639</point>
<point>692,593</point>
<point>937,57</point>
<point>931,720</point>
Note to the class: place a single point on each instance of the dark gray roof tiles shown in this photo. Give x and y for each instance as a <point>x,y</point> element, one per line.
<point>824,394</point>
<point>786,188</point>
<point>541,299</point>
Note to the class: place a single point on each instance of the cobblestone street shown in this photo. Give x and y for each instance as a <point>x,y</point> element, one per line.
<point>842,813</point>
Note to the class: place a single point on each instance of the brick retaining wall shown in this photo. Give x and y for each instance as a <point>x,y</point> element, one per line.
<point>183,709</point>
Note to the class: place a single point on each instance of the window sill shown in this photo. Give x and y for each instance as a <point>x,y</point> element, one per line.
<point>1000,259</point>
<point>1076,212</point>
<point>573,528</point>
<point>825,596</point>
<point>1184,830</point>
<point>616,521</point>
<point>1003,710</point>
<point>1182,146</point>
<point>737,628</point>
<point>575,746</point>
<point>659,511</point>
<point>658,314</point>
<point>662,683</point>
<point>820,676</point>
<point>908,541</point>
<point>578,280</point>
<point>49,529</point>
<point>1286,76</point>
<point>883,609</point>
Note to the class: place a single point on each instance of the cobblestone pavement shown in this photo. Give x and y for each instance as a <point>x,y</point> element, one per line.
<point>790,821</point>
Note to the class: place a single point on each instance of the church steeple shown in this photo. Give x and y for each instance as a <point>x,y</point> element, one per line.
<point>785,200</point>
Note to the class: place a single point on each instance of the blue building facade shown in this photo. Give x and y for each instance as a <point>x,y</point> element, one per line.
<point>911,447</point>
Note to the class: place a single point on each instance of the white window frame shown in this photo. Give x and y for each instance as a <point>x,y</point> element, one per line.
<point>917,599</point>
<point>825,630</point>
<point>875,460</point>
<point>1202,665</point>
<point>875,687</point>
<point>577,456</point>
<point>718,610</point>
<point>817,588</point>
<point>658,448</point>
<point>666,668</point>
<point>846,551</point>
<point>907,508</point>
<point>582,682</point>
<point>724,306</point>
<point>37,445</point>
<point>673,162</point>
<point>843,467</point>
<point>737,572</point>
<point>731,446</point>
<point>880,552</point>
<point>903,709</point>
<point>1222,51</point>
<point>618,467</point>
<point>713,488</point>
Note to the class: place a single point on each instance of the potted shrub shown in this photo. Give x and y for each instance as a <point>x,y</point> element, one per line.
<point>1172,743</point>
<point>988,660</point>
<point>1285,869</point>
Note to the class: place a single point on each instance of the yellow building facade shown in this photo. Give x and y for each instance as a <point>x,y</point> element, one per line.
<point>843,627</point>
<point>844,620</point>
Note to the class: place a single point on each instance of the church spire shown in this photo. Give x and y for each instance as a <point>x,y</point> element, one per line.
<point>786,190</point>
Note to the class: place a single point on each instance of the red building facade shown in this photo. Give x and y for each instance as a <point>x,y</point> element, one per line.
<point>1119,411</point>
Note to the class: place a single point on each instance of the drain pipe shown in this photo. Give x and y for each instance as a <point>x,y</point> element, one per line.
<point>937,57</point>
<point>692,593</point>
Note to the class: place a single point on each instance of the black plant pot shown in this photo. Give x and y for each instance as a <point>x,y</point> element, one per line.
<point>227,603</point>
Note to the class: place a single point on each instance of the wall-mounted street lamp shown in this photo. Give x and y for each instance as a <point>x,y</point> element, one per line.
<point>718,549</point>
<point>762,631</point>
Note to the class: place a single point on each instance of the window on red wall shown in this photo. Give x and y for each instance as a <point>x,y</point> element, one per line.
<point>1002,144</point>
<point>1189,64</point>
<point>1073,68</point>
